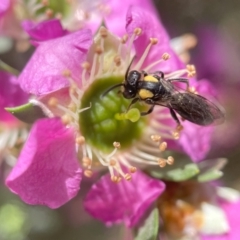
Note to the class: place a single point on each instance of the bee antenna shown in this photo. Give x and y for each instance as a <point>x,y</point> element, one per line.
<point>111,88</point>
<point>127,71</point>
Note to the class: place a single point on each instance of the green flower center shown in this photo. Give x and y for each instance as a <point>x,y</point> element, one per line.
<point>106,121</point>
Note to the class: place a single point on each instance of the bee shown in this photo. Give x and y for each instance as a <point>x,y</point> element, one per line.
<point>154,89</point>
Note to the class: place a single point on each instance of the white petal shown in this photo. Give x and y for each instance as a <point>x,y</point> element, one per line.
<point>215,221</point>
<point>228,194</point>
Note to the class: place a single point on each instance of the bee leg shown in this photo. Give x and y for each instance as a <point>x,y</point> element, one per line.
<point>144,73</point>
<point>182,80</point>
<point>132,102</point>
<point>174,116</point>
<point>148,112</point>
<point>179,125</point>
<point>148,101</point>
<point>157,73</point>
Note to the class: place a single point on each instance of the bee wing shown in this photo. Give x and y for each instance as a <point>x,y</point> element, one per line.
<point>196,108</point>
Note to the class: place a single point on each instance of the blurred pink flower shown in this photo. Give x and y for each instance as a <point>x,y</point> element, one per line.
<point>231,210</point>
<point>4,6</point>
<point>199,211</point>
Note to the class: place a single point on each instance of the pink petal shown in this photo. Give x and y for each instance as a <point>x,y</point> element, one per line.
<point>118,10</point>
<point>123,202</point>
<point>4,6</point>
<point>43,31</point>
<point>233,216</point>
<point>196,140</point>
<point>47,171</point>
<point>11,95</point>
<point>151,27</point>
<point>44,72</point>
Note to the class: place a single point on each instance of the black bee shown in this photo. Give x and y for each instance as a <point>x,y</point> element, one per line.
<point>154,90</point>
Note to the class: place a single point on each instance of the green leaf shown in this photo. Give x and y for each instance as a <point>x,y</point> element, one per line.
<point>210,175</point>
<point>186,172</point>
<point>149,229</point>
<point>211,169</point>
<point>182,174</point>
<point>27,113</point>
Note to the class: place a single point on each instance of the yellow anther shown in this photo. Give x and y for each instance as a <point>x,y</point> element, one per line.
<point>163,146</point>
<point>117,60</point>
<point>117,144</point>
<point>66,119</point>
<point>114,179</point>
<point>119,179</point>
<point>166,56</point>
<point>86,161</point>
<point>52,102</point>
<point>170,160</point>
<point>162,162</point>
<point>191,67</point>
<point>98,50</point>
<point>80,140</point>
<point>155,138</point>
<point>132,169</point>
<point>103,32</point>
<point>66,73</point>
<point>128,176</point>
<point>124,39</point>
<point>137,31</point>
<point>153,41</point>
<point>176,135</point>
<point>191,70</point>
<point>86,65</point>
<point>179,128</point>
<point>49,13</point>
<point>112,162</point>
<point>192,90</point>
<point>88,173</point>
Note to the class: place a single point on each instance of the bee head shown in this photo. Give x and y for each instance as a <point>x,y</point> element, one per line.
<point>129,89</point>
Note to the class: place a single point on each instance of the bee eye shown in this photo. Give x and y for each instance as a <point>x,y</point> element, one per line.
<point>133,77</point>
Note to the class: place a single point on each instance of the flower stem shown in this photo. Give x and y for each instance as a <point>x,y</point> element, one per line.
<point>7,68</point>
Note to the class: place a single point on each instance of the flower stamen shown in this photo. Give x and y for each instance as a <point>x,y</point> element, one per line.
<point>164,57</point>
<point>136,32</point>
<point>189,70</point>
<point>153,41</point>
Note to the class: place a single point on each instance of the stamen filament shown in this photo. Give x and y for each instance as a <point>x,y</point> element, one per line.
<point>93,69</point>
<point>143,57</point>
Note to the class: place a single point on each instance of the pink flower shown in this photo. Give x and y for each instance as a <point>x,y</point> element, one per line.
<point>123,202</point>
<point>199,210</point>
<point>47,171</point>
<point>11,95</point>
<point>9,22</point>
<point>231,210</point>
<point>68,76</point>
<point>4,6</point>
<point>12,131</point>
<point>43,31</point>
<point>44,72</point>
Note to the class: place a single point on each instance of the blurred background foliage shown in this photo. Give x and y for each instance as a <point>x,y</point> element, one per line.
<point>215,23</point>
